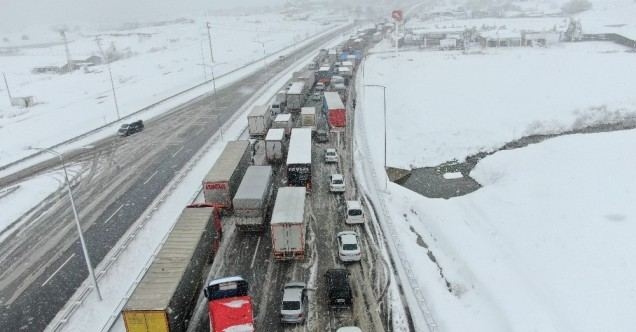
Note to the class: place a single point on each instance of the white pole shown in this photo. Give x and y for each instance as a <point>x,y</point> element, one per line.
<point>7,85</point>
<point>110,75</point>
<point>77,223</point>
<point>207,24</point>
<point>397,26</point>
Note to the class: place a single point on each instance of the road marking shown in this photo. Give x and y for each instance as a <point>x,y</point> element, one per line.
<point>56,271</point>
<point>114,213</point>
<point>174,154</point>
<point>150,177</point>
<point>255,252</point>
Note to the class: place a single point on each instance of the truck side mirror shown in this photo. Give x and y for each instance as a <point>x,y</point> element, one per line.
<point>205,292</point>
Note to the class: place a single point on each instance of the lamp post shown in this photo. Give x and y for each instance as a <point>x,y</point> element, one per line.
<point>77,222</point>
<point>384,98</point>
<point>110,75</point>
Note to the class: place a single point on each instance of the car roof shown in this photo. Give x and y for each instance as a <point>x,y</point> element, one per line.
<point>337,278</point>
<point>349,329</point>
<point>293,293</point>
<point>354,205</point>
<point>330,150</point>
<point>337,176</point>
<point>348,237</point>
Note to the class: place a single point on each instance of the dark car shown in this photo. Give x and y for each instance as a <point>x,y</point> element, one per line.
<point>131,128</point>
<point>338,288</point>
<point>322,136</point>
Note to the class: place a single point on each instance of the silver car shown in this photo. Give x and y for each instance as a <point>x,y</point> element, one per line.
<point>294,306</point>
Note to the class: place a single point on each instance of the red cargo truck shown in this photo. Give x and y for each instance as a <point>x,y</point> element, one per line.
<point>335,109</point>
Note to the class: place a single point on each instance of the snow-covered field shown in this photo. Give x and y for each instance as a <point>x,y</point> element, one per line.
<point>158,61</point>
<point>610,16</point>
<point>466,103</point>
<point>546,243</point>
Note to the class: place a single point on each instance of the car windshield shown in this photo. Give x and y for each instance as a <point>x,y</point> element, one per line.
<point>337,181</point>
<point>349,246</point>
<point>291,305</point>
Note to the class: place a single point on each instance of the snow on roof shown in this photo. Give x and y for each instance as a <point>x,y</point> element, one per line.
<point>308,110</point>
<point>324,68</point>
<point>275,134</point>
<point>299,146</point>
<point>333,101</point>
<point>282,117</point>
<point>290,206</point>
<point>224,280</point>
<point>259,110</point>
<point>501,34</point>
<point>240,328</point>
<point>296,88</point>
<point>236,303</point>
<point>227,162</point>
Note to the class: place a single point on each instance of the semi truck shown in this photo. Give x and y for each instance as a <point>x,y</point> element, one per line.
<point>253,199</point>
<point>164,299</point>
<point>308,117</point>
<point>259,120</point>
<point>299,158</point>
<point>288,224</point>
<point>307,77</point>
<point>275,145</point>
<point>229,305</point>
<point>223,179</point>
<point>278,105</point>
<point>295,96</point>
<point>335,110</point>
<point>283,121</point>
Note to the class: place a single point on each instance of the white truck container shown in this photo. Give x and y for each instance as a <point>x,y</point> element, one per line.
<point>295,96</point>
<point>259,120</point>
<point>278,105</point>
<point>288,224</point>
<point>275,145</point>
<point>252,199</point>
<point>305,76</point>
<point>308,117</point>
<point>283,121</point>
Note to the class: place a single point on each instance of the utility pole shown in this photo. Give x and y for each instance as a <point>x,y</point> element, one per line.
<point>7,85</point>
<point>69,62</point>
<point>207,24</point>
<point>110,74</point>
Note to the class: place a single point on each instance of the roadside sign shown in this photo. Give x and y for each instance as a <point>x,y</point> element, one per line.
<point>397,15</point>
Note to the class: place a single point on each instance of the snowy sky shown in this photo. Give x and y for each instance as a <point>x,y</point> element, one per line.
<point>16,14</point>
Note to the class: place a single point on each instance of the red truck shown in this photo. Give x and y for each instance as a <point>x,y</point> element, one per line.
<point>335,109</point>
<point>229,305</point>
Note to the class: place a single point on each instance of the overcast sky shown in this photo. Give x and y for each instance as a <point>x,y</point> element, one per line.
<point>18,14</point>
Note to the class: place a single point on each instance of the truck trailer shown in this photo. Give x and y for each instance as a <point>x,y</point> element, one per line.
<point>164,299</point>
<point>253,198</point>
<point>335,110</point>
<point>299,158</point>
<point>224,178</point>
<point>288,224</point>
<point>308,117</point>
<point>259,120</point>
<point>296,96</point>
<point>275,145</point>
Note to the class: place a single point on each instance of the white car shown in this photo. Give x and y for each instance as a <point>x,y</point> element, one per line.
<point>348,247</point>
<point>336,183</point>
<point>331,155</point>
<point>349,329</point>
<point>294,306</point>
<point>355,214</point>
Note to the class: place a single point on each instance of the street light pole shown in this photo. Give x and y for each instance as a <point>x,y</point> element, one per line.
<point>77,222</point>
<point>384,99</point>
<point>207,24</point>
<point>110,74</point>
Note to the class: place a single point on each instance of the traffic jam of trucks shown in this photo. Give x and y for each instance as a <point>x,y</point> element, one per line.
<point>272,196</point>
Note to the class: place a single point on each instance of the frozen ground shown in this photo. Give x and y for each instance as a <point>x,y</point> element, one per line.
<point>158,61</point>
<point>467,103</point>
<point>610,16</point>
<point>546,243</point>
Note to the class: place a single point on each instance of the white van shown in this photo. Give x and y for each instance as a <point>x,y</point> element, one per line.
<point>355,213</point>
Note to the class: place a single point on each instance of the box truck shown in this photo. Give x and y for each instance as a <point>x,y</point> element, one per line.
<point>299,157</point>
<point>335,110</point>
<point>253,199</point>
<point>288,224</point>
<point>308,117</point>
<point>275,145</point>
<point>259,120</point>
<point>295,96</point>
